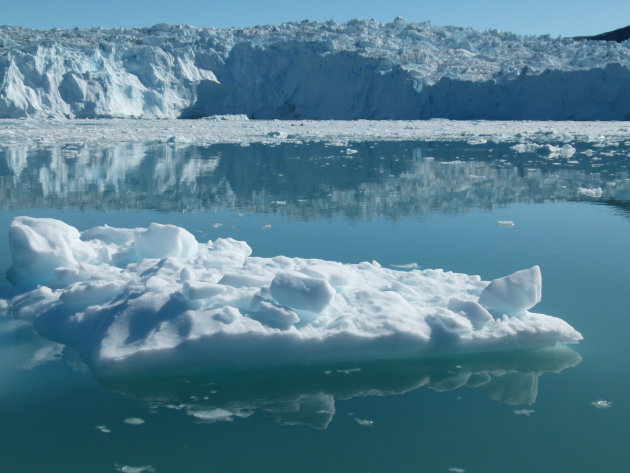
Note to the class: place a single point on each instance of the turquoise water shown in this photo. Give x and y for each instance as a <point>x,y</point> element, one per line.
<point>390,202</point>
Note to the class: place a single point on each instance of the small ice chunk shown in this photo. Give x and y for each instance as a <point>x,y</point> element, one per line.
<point>513,294</point>
<point>601,404</point>
<point>364,422</point>
<point>103,429</point>
<point>505,223</point>
<point>301,292</point>
<point>523,412</point>
<point>134,421</point>
<point>4,306</point>
<point>212,415</point>
<point>567,151</point>
<point>594,193</point>
<point>135,469</point>
<point>455,469</point>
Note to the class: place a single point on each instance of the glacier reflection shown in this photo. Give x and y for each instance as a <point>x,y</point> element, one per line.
<point>307,395</point>
<point>359,180</point>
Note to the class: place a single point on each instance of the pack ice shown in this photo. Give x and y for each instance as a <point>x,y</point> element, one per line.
<point>358,69</point>
<point>155,297</point>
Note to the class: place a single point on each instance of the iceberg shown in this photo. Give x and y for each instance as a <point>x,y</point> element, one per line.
<point>143,298</point>
<point>358,69</point>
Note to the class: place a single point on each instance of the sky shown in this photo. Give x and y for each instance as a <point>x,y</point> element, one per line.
<point>556,18</point>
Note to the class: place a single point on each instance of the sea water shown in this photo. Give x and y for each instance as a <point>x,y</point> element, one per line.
<point>404,204</point>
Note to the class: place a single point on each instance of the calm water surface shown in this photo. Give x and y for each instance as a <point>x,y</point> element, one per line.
<point>433,204</point>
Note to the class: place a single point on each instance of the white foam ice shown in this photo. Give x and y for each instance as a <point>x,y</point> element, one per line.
<point>154,296</point>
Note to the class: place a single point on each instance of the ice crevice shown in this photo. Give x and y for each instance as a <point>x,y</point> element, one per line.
<point>155,297</point>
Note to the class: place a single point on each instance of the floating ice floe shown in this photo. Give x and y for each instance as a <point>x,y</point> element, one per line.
<point>601,404</point>
<point>134,421</point>
<point>135,469</point>
<point>147,297</point>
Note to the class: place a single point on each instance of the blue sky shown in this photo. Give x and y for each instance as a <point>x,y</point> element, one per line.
<point>563,17</point>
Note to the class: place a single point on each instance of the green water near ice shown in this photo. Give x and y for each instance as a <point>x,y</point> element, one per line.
<point>516,412</point>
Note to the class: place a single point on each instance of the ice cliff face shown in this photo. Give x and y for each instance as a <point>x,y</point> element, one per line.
<point>359,69</point>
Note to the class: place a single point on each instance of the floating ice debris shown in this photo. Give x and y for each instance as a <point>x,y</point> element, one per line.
<point>349,371</point>
<point>135,298</point>
<point>211,416</point>
<point>135,469</point>
<point>217,225</point>
<point>526,147</point>
<point>364,422</point>
<point>4,306</point>
<point>455,469</point>
<point>524,412</point>
<point>595,193</point>
<point>103,429</point>
<point>505,223</point>
<point>266,227</point>
<point>601,404</point>
<point>134,421</point>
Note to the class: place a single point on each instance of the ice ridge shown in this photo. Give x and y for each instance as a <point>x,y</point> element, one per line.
<point>358,69</point>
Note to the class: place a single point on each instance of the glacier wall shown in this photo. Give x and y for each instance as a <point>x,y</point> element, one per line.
<point>359,69</point>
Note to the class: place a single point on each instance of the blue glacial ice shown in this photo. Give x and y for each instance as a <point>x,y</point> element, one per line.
<point>359,69</point>
<point>155,297</point>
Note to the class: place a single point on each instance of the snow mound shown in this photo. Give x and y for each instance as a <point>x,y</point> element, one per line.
<point>126,303</point>
<point>359,69</point>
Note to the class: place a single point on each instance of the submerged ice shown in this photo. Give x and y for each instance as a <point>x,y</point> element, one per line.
<point>147,297</point>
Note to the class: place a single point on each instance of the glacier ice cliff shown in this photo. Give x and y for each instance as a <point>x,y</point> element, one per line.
<point>359,69</point>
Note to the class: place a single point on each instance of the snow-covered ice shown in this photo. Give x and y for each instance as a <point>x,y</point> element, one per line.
<point>134,298</point>
<point>358,69</point>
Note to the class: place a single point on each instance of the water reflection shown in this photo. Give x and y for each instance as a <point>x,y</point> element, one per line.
<point>307,395</point>
<point>304,395</point>
<point>313,179</point>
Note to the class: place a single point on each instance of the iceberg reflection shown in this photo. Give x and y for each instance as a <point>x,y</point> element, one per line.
<point>307,395</point>
<point>358,180</point>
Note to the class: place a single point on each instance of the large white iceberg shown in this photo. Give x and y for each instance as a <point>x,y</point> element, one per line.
<point>155,297</point>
